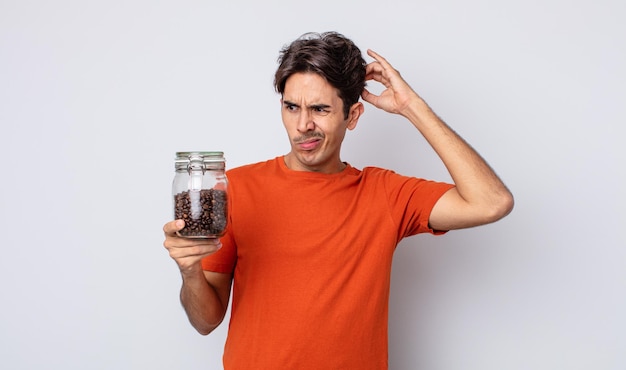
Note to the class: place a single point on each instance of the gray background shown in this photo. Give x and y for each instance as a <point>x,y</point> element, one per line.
<point>96,96</point>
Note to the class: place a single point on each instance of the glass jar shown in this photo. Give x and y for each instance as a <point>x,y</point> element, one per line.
<point>200,192</point>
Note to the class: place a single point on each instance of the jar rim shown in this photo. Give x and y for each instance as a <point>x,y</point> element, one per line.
<point>201,153</point>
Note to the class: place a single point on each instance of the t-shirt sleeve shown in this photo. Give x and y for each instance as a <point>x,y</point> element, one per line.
<point>411,202</point>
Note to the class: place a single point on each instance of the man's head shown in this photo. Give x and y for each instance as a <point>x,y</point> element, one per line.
<point>330,55</point>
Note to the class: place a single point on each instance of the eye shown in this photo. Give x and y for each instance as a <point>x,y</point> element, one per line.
<point>320,110</point>
<point>291,107</point>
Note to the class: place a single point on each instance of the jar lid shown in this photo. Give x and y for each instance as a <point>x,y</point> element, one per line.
<point>200,153</point>
<point>208,158</point>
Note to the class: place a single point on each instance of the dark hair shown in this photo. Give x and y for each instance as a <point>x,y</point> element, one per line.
<point>330,55</point>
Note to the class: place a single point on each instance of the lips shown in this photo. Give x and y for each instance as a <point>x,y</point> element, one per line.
<point>309,145</point>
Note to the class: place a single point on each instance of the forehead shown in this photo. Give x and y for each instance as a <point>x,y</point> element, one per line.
<point>310,86</point>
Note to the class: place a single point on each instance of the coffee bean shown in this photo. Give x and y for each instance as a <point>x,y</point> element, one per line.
<point>204,212</point>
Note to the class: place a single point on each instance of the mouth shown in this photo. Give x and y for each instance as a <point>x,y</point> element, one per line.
<point>309,144</point>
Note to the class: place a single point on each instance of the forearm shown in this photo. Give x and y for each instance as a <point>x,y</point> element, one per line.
<point>201,301</point>
<point>475,180</point>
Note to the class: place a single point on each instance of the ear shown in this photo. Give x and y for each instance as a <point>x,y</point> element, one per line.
<point>353,116</point>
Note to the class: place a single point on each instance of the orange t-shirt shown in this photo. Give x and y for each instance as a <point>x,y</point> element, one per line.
<point>311,255</point>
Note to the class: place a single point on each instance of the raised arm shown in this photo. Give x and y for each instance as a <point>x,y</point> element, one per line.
<point>479,196</point>
<point>204,294</point>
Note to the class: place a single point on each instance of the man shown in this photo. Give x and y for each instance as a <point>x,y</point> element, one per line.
<point>310,238</point>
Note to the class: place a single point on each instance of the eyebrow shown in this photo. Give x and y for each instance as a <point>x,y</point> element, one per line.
<point>319,106</point>
<point>312,106</point>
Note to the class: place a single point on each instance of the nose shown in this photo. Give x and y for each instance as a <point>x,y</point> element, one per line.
<point>305,121</point>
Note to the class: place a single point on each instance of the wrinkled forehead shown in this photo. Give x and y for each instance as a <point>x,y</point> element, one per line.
<point>310,87</point>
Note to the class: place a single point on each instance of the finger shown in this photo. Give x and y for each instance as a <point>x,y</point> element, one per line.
<point>197,250</point>
<point>172,227</point>
<point>383,62</point>
<point>374,75</point>
<point>173,241</point>
<point>369,97</point>
<point>373,66</point>
<point>388,71</point>
<point>374,71</point>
